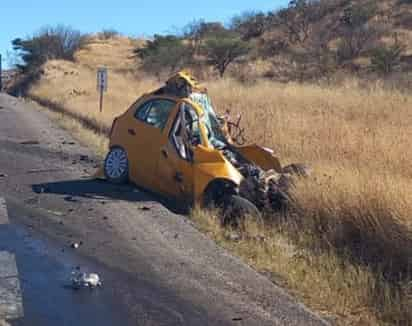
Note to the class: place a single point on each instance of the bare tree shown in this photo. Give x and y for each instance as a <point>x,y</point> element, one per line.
<point>298,19</point>
<point>249,24</point>
<point>356,31</point>
<point>198,30</point>
<point>385,58</point>
<point>223,50</point>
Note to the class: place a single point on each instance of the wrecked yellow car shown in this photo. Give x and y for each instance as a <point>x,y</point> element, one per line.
<point>172,142</point>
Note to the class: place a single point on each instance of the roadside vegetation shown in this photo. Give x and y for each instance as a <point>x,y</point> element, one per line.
<point>320,82</point>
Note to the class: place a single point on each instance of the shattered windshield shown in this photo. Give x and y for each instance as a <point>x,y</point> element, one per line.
<point>215,135</point>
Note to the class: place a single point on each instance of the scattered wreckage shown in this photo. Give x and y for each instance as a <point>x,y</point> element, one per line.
<point>172,142</point>
<point>85,280</point>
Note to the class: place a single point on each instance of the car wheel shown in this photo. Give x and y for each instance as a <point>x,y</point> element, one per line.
<point>116,166</point>
<point>236,209</point>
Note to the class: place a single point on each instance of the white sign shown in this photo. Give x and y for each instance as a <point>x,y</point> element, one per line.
<point>102,79</point>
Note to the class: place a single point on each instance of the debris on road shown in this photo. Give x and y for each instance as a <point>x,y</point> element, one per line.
<point>85,158</point>
<point>84,280</point>
<point>32,201</point>
<point>54,212</point>
<point>70,199</point>
<point>145,208</point>
<point>3,175</point>
<point>76,245</point>
<point>30,142</point>
<point>68,143</point>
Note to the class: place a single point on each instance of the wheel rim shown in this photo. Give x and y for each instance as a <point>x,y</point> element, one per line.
<point>116,163</point>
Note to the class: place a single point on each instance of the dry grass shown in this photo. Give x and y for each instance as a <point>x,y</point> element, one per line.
<point>337,289</point>
<point>356,140</point>
<point>355,209</point>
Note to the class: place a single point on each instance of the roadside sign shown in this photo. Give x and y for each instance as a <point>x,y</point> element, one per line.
<point>101,85</point>
<point>102,79</point>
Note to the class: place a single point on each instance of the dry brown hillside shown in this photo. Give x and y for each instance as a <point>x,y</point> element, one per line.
<point>307,44</point>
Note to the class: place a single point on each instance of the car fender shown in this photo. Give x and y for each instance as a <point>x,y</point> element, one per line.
<point>209,165</point>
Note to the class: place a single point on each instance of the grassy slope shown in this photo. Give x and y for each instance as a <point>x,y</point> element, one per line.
<point>358,199</point>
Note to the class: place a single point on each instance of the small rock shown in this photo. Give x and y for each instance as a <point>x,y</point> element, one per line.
<point>145,208</point>
<point>3,175</point>
<point>83,158</point>
<point>105,218</point>
<point>176,236</point>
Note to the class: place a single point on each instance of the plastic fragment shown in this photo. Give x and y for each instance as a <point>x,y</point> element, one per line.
<point>85,280</point>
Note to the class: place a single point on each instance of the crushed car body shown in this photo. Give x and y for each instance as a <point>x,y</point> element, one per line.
<point>172,142</point>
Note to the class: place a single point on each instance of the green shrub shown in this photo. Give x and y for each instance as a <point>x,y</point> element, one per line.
<point>163,52</point>
<point>223,50</point>
<point>49,43</point>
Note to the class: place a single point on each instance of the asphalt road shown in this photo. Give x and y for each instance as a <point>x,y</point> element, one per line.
<point>157,269</point>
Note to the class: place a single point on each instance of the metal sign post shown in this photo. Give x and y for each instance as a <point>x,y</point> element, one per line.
<point>101,85</point>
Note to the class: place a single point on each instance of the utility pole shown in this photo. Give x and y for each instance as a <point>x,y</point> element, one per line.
<point>1,76</point>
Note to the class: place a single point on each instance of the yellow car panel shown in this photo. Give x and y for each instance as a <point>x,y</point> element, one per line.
<point>175,175</point>
<point>142,143</point>
<point>262,157</point>
<point>211,165</point>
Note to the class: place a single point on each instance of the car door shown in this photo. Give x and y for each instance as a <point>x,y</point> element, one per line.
<point>146,133</point>
<point>175,168</point>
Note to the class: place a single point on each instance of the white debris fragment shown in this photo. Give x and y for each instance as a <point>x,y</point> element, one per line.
<point>80,279</point>
<point>76,245</point>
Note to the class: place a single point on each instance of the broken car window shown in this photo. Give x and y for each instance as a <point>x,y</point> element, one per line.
<point>214,133</point>
<point>156,112</point>
<point>186,131</point>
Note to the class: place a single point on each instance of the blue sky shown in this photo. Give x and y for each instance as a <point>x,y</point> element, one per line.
<point>20,18</point>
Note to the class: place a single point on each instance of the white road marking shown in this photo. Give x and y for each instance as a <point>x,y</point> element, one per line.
<point>11,300</point>
<point>4,217</point>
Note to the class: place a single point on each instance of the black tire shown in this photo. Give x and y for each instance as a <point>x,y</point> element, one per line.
<point>113,175</point>
<point>236,209</point>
